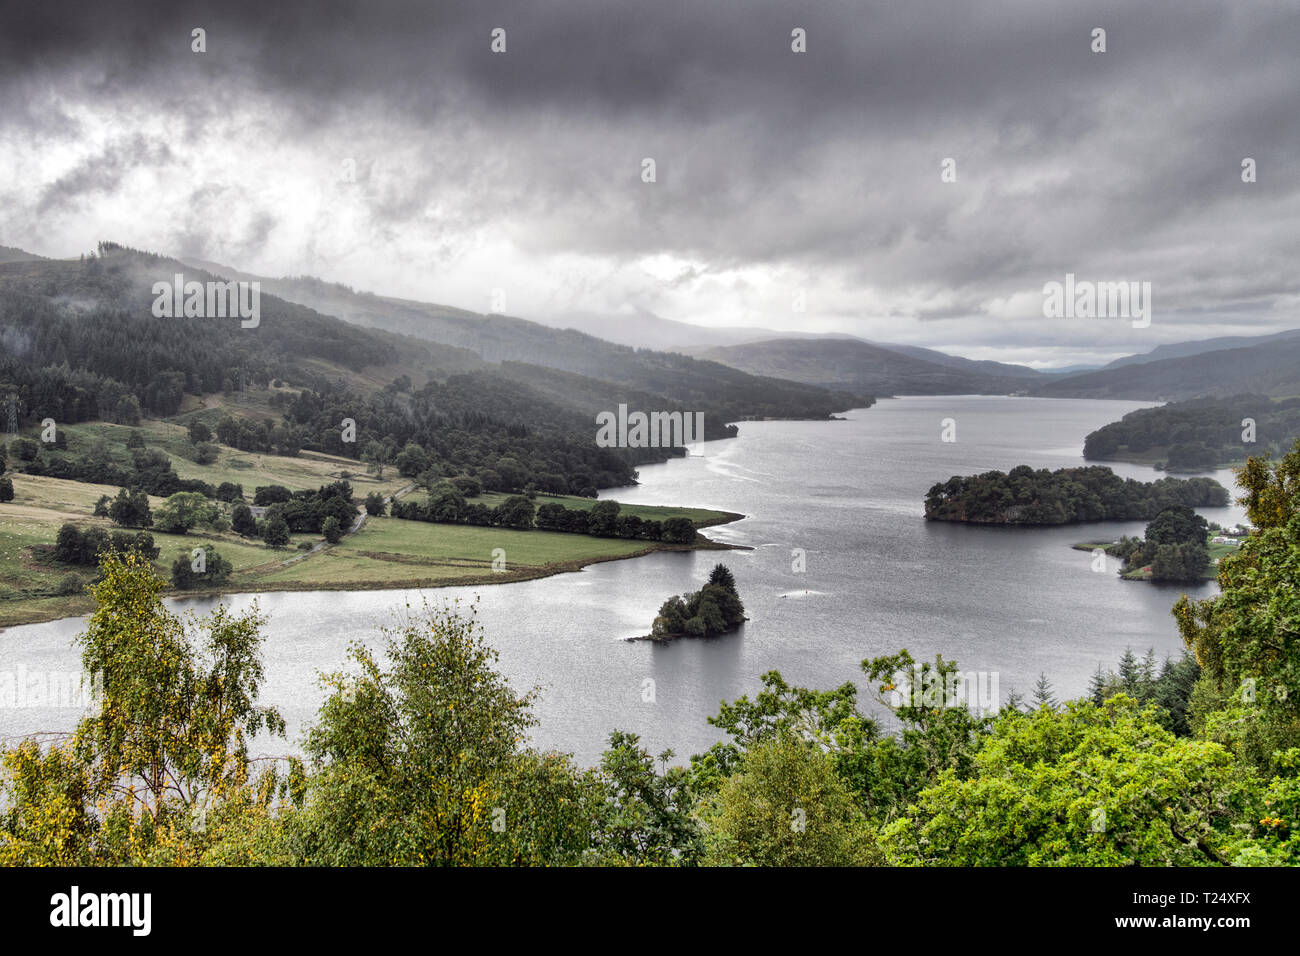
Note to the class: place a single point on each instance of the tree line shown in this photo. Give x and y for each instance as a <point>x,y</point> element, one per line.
<point>447,504</point>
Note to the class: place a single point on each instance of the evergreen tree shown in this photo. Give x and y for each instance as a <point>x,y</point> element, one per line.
<point>1097,687</point>
<point>1148,671</point>
<point>1173,690</point>
<point>1043,696</point>
<point>722,577</point>
<point>1130,675</point>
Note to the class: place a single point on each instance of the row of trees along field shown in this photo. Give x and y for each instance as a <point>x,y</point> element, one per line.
<point>419,756</point>
<point>447,504</point>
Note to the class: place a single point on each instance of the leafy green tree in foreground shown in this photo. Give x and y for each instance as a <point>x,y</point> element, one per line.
<point>780,709</point>
<point>1247,639</point>
<point>646,818</point>
<point>1088,786</point>
<point>787,807</point>
<point>160,773</point>
<point>1276,841</point>
<point>411,759</point>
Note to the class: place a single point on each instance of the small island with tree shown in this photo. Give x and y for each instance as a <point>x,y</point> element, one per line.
<point>1179,546</point>
<point>714,609</point>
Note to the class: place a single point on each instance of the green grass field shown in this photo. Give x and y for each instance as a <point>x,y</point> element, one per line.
<point>441,542</point>
<point>385,553</point>
<point>307,471</point>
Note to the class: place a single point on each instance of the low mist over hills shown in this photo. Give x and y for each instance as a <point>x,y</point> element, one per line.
<point>727,394</point>
<point>647,330</point>
<point>702,364</point>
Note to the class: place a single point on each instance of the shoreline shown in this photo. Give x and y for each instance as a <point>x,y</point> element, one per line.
<point>63,607</point>
<point>1211,575</point>
<point>1151,461</point>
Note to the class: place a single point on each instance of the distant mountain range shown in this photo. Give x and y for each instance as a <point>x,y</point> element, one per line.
<point>753,372</point>
<point>857,365</point>
<point>1271,368</point>
<point>1267,364</point>
<point>645,330</point>
<point>628,352</point>
<point>1184,349</point>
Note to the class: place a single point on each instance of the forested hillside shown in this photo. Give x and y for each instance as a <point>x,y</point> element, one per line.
<point>505,339</point>
<point>79,342</point>
<point>1200,434</point>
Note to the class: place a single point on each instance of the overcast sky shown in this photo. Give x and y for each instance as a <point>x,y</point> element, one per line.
<point>778,172</point>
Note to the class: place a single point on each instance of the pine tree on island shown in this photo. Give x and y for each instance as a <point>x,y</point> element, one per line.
<point>714,609</point>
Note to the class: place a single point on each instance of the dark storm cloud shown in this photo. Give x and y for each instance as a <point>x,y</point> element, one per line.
<point>906,63</point>
<point>1123,164</point>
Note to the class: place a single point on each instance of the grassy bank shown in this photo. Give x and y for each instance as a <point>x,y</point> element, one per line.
<point>384,553</point>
